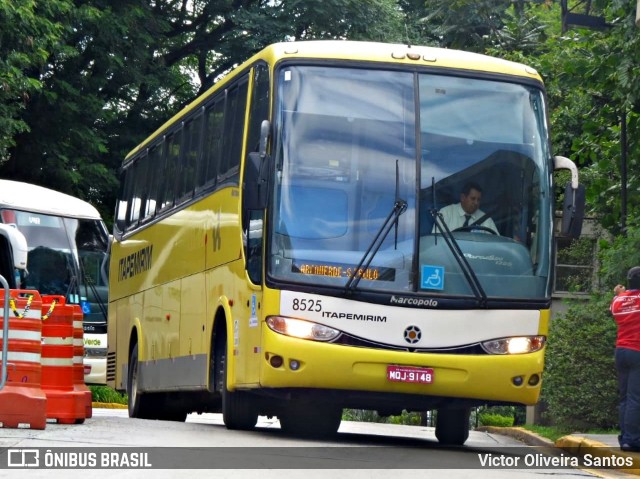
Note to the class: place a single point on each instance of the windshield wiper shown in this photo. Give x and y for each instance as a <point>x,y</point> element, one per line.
<point>399,207</point>
<point>453,245</point>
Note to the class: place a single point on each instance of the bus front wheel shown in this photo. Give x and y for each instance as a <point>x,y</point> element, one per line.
<point>452,426</point>
<point>238,409</point>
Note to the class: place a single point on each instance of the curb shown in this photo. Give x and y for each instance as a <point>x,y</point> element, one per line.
<point>519,433</point>
<point>573,444</point>
<point>108,405</point>
<point>582,446</point>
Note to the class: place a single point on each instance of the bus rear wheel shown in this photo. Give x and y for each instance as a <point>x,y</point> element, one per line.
<point>311,420</point>
<point>452,426</point>
<point>238,408</point>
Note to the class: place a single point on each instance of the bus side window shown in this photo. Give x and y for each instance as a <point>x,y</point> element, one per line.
<point>212,143</point>
<point>153,177</point>
<point>171,169</point>
<point>190,149</point>
<point>137,191</point>
<point>124,198</point>
<point>259,109</point>
<point>234,117</point>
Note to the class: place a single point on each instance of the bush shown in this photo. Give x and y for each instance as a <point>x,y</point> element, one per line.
<point>580,383</point>
<point>490,419</point>
<point>515,415</point>
<point>406,418</point>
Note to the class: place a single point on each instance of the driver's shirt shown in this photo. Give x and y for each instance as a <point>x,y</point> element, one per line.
<point>454,217</point>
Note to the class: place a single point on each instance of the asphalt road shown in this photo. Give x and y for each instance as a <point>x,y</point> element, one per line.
<point>203,447</point>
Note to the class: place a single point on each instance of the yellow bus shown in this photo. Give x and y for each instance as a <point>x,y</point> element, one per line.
<point>279,248</point>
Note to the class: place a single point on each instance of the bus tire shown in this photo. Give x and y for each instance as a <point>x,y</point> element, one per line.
<point>452,426</point>
<point>137,403</point>
<point>238,409</point>
<point>317,421</point>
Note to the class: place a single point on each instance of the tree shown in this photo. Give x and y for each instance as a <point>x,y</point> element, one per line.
<point>29,32</point>
<point>123,68</point>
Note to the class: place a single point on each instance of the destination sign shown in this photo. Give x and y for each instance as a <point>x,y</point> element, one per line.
<point>336,270</point>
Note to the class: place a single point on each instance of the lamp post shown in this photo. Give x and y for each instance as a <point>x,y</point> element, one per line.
<point>638,13</point>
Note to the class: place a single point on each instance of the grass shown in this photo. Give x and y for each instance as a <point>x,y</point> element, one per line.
<point>552,433</point>
<point>105,394</point>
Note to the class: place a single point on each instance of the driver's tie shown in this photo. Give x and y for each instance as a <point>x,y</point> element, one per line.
<point>466,220</point>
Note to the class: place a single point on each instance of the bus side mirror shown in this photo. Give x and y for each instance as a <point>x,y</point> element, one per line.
<point>572,211</point>
<point>265,126</point>
<point>256,173</point>
<point>17,244</point>
<point>574,199</point>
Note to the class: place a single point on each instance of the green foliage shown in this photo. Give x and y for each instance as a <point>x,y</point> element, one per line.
<point>405,418</point>
<point>503,416</point>
<point>580,385</point>
<point>622,253</point>
<point>489,419</point>
<point>29,32</point>
<point>553,433</point>
<point>104,394</point>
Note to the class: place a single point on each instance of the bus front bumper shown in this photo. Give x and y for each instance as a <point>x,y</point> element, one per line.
<point>318,365</point>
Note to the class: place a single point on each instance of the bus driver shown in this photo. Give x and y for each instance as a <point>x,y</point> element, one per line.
<point>467,213</point>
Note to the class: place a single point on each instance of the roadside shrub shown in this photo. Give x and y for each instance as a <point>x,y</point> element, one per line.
<point>580,382</point>
<point>490,419</point>
<point>406,418</point>
<point>105,394</point>
<point>516,415</point>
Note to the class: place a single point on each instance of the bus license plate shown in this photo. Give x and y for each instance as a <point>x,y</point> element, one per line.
<point>409,374</point>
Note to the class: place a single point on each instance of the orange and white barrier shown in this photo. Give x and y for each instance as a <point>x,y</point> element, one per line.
<point>64,403</point>
<point>78,359</point>
<point>22,400</point>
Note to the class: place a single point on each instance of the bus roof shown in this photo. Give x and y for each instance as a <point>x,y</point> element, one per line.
<point>388,53</point>
<point>37,199</point>
<point>396,53</point>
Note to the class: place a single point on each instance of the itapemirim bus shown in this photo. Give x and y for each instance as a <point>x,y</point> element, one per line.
<point>274,249</point>
<point>67,250</point>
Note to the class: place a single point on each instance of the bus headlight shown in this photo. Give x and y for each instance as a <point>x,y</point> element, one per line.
<point>515,345</point>
<point>299,328</point>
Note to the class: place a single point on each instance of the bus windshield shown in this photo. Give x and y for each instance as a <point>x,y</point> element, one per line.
<point>52,265</point>
<point>350,143</point>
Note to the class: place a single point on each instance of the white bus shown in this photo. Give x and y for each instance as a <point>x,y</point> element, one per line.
<point>67,243</point>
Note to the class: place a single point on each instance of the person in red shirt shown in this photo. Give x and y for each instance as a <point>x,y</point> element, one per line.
<point>625,308</point>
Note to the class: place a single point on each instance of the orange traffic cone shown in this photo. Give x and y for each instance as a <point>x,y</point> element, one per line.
<point>22,401</point>
<point>64,404</point>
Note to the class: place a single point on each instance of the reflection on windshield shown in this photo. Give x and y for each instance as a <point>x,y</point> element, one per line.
<point>341,133</point>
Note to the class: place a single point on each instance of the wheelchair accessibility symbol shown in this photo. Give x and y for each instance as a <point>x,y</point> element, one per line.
<point>432,277</point>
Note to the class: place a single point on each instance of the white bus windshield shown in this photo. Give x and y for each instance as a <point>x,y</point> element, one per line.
<point>351,143</point>
<point>65,258</point>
